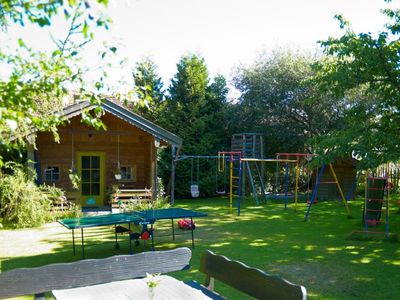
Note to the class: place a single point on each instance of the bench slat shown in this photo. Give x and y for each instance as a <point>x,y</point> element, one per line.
<point>125,196</point>
<point>251,281</point>
<point>25,281</point>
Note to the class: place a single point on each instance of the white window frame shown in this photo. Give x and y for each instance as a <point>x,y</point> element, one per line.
<point>50,171</point>
<point>131,173</point>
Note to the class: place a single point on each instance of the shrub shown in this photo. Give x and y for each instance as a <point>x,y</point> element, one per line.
<point>56,195</point>
<point>138,205</point>
<point>161,201</point>
<point>22,202</point>
<point>71,210</point>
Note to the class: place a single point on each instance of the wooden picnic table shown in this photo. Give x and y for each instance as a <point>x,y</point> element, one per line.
<point>166,288</point>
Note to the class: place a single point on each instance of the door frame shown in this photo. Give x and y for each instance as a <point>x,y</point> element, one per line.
<point>99,200</point>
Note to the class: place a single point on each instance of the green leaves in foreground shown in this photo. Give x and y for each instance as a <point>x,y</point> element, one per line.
<point>365,68</point>
<point>38,84</point>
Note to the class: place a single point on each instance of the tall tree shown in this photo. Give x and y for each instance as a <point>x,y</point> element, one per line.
<point>188,99</point>
<point>278,100</point>
<point>217,115</point>
<point>195,112</point>
<point>369,63</point>
<point>149,90</point>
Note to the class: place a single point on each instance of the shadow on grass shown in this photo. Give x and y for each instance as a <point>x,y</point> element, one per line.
<point>315,254</point>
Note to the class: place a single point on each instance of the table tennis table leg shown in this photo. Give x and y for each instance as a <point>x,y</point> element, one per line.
<point>152,237</point>
<point>73,242</point>
<point>130,240</point>
<point>191,221</point>
<point>116,246</point>
<point>173,229</point>
<point>83,244</point>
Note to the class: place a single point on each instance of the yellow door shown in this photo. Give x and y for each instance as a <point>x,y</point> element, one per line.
<point>91,171</point>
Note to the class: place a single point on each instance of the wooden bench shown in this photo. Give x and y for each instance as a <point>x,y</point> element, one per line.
<point>37,281</point>
<point>60,204</point>
<point>126,196</point>
<point>250,281</point>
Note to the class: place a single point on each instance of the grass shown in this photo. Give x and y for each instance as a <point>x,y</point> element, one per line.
<point>316,254</point>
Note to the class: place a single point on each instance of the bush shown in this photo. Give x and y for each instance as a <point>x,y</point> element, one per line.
<point>56,196</point>
<point>71,210</point>
<point>161,201</point>
<point>138,205</point>
<point>22,202</point>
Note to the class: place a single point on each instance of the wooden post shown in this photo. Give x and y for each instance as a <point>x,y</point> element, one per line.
<point>297,185</point>
<point>340,190</point>
<point>31,161</point>
<point>230,182</point>
<point>154,147</point>
<point>262,165</point>
<point>173,151</point>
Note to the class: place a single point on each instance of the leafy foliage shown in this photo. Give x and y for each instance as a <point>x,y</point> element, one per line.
<point>366,65</point>
<point>279,100</point>
<point>39,81</point>
<point>195,111</point>
<point>148,89</point>
<point>23,204</point>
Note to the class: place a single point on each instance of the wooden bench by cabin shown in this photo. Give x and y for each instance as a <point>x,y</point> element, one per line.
<point>250,281</point>
<point>37,281</point>
<point>125,196</point>
<point>60,204</point>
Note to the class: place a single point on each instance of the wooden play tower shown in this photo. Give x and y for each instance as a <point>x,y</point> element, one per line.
<point>251,146</point>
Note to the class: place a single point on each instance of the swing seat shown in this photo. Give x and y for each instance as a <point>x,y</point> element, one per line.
<point>314,202</point>
<point>220,192</point>
<point>194,190</point>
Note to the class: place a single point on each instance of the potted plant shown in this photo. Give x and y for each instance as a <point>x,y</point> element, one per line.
<point>74,178</point>
<point>152,280</point>
<point>117,174</point>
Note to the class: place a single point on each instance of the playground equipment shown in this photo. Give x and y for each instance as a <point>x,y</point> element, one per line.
<point>233,159</point>
<point>235,175</point>
<point>194,186</point>
<point>376,193</point>
<point>301,169</point>
<point>220,168</point>
<point>250,146</point>
<point>333,181</point>
<point>376,202</point>
<point>248,161</point>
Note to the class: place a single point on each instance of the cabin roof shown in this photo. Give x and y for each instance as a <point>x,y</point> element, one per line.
<point>349,161</point>
<point>73,110</point>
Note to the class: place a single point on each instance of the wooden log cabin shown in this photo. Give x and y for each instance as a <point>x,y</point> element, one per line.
<point>124,154</point>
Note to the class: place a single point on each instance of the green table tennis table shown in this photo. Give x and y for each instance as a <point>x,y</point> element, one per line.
<point>97,221</point>
<point>147,217</point>
<point>151,216</point>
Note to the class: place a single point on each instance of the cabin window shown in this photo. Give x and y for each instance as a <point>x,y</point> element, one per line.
<point>128,173</point>
<point>52,174</point>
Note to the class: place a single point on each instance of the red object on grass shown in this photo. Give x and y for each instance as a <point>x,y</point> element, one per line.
<point>186,224</point>
<point>372,222</point>
<point>145,235</point>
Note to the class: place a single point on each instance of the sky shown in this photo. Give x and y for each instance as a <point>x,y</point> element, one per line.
<point>227,33</point>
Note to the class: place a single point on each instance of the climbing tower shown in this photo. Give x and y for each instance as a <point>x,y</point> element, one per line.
<point>251,146</point>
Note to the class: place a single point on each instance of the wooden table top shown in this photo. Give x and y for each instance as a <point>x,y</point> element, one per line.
<point>166,288</point>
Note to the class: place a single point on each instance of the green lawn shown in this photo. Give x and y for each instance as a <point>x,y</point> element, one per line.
<point>316,254</point>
